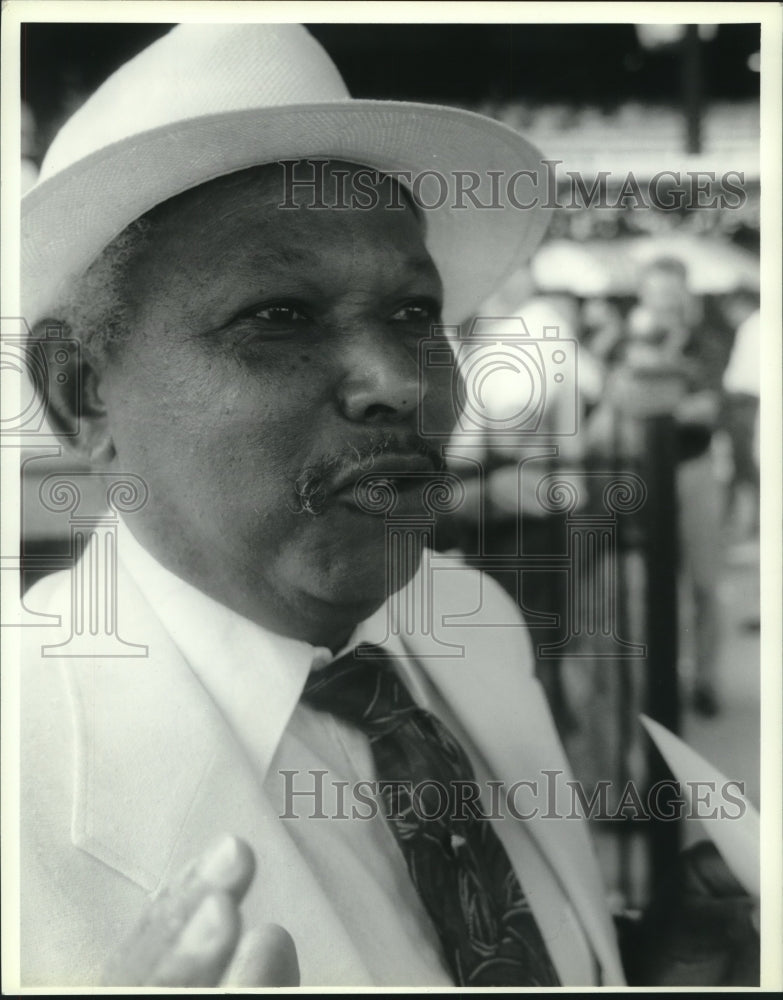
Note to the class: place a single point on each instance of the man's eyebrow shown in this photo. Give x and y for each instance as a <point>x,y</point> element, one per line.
<point>262,258</point>
<point>422,262</point>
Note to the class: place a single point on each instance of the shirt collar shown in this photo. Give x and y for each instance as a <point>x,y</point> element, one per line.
<point>254,675</point>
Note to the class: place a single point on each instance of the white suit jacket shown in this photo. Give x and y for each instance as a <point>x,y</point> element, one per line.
<point>128,771</point>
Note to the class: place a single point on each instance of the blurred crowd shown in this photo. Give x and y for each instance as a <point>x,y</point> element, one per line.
<point>663,350</point>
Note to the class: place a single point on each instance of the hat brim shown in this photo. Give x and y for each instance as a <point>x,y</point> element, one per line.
<point>68,218</point>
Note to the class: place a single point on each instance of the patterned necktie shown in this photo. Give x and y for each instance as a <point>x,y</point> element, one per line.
<point>456,861</point>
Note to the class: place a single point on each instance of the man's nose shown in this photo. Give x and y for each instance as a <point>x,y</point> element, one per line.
<point>383,381</point>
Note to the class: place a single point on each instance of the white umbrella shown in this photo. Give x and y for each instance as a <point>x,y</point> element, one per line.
<point>592,268</point>
<point>714,266</point>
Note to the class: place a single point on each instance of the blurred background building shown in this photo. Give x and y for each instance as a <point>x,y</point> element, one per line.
<point>662,301</point>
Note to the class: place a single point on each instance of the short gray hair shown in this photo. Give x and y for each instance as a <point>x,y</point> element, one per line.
<point>96,311</point>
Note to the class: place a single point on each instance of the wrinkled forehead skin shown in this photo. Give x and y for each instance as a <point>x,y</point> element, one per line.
<point>320,186</point>
<point>310,184</point>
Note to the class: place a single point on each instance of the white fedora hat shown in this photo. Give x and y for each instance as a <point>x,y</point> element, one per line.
<point>209,99</point>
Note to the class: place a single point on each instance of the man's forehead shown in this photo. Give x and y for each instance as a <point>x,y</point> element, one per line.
<point>309,185</point>
<point>248,221</point>
<point>231,238</point>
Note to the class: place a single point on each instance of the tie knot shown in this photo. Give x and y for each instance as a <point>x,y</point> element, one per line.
<point>363,688</point>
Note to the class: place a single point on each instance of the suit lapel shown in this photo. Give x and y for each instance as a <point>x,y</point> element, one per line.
<point>159,775</point>
<point>143,731</point>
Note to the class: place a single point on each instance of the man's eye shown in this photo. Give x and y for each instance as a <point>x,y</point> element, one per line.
<point>280,314</point>
<point>417,312</point>
<point>277,321</point>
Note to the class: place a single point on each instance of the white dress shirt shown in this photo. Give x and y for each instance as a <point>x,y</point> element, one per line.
<point>256,677</point>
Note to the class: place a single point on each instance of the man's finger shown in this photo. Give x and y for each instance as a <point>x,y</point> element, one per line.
<point>204,947</point>
<point>226,867</point>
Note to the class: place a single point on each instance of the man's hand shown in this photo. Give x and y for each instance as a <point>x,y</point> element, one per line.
<point>703,931</point>
<point>190,934</point>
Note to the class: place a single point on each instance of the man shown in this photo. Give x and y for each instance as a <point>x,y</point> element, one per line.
<point>193,816</point>
<point>742,385</point>
<point>679,329</point>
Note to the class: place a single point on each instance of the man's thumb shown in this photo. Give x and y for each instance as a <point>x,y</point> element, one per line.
<point>265,956</point>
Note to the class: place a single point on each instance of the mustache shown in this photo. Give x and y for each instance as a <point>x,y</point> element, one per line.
<point>315,482</point>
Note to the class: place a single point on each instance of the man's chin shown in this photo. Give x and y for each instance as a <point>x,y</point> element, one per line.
<point>364,567</point>
<point>366,583</point>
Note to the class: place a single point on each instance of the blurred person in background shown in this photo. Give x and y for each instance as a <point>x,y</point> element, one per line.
<point>670,325</point>
<point>603,329</point>
<point>601,341</point>
<point>741,383</point>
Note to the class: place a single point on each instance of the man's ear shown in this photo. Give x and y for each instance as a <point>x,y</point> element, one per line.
<point>75,410</point>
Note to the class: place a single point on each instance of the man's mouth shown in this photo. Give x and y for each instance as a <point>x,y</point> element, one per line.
<point>395,482</point>
<point>399,468</point>
<point>368,479</point>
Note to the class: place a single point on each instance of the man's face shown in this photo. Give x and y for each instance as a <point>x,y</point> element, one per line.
<point>665,296</point>
<point>272,353</point>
